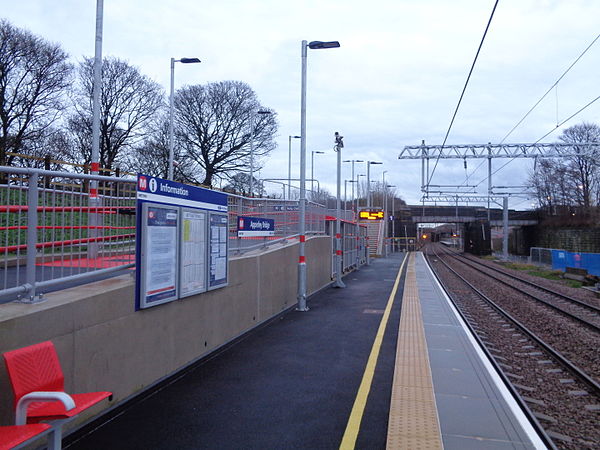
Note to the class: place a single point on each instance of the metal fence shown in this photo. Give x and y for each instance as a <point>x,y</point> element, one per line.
<point>52,231</point>
<point>540,256</point>
<point>285,213</point>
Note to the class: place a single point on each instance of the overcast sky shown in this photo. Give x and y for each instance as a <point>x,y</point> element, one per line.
<point>395,80</point>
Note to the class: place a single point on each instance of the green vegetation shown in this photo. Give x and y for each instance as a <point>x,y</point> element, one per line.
<point>555,275</point>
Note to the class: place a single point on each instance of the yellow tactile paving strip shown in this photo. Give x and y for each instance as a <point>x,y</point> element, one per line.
<point>413,421</point>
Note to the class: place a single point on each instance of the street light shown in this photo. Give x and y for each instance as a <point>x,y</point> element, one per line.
<point>252,123</point>
<point>352,177</point>
<point>302,228</point>
<point>339,145</point>
<point>290,166</point>
<point>312,169</point>
<point>369,181</point>
<point>173,61</point>
<point>392,215</point>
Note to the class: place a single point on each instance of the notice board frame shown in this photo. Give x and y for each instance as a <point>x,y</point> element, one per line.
<point>169,194</point>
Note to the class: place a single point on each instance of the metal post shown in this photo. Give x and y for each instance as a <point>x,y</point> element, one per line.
<point>95,156</point>
<point>302,257</point>
<point>32,223</point>
<point>338,224</point>
<point>393,224</point>
<point>251,153</point>
<point>312,174</point>
<point>368,184</point>
<point>489,181</point>
<point>505,228</point>
<point>171,101</point>
<point>384,201</point>
<point>289,169</point>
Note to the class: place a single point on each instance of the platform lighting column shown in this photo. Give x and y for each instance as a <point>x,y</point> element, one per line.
<point>339,145</point>
<point>369,181</point>
<point>384,205</point>
<point>302,256</point>
<point>94,219</point>
<point>289,196</point>
<point>392,217</point>
<point>352,177</point>
<point>357,216</point>
<point>312,170</point>
<point>171,100</point>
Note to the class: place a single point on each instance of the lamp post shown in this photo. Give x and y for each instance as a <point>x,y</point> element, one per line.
<point>94,219</point>
<point>252,126</point>
<point>358,191</point>
<point>290,166</point>
<point>358,175</point>
<point>384,205</point>
<point>369,181</point>
<point>173,61</point>
<point>312,169</point>
<point>392,216</point>
<point>339,145</point>
<point>302,256</point>
<point>352,177</point>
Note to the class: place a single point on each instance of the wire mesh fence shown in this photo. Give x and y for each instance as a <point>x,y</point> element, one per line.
<point>285,213</point>
<point>53,230</point>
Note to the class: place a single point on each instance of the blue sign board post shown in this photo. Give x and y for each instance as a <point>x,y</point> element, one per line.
<point>173,246</point>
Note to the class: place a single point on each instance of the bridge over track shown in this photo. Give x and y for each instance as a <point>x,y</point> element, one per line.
<point>463,214</point>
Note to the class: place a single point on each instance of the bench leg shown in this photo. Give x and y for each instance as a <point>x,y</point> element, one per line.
<point>55,436</point>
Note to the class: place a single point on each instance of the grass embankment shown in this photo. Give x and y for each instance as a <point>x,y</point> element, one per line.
<point>555,275</point>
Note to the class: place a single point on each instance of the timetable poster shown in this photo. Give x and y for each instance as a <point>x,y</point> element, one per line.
<point>160,254</point>
<point>192,272</point>
<point>219,233</point>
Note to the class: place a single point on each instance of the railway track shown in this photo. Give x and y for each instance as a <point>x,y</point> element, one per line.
<point>571,307</point>
<point>561,393</point>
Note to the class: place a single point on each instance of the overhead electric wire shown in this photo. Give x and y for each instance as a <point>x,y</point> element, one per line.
<point>537,103</point>
<point>549,132</point>
<point>464,89</point>
<point>550,89</point>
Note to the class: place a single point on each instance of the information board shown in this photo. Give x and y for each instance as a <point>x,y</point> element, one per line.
<point>159,254</point>
<point>218,238</point>
<point>192,272</point>
<point>177,255</point>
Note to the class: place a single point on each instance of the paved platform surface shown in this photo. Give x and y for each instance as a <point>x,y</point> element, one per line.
<point>472,411</point>
<point>293,383</point>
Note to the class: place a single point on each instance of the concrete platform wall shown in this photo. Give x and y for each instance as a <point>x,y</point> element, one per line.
<point>104,344</point>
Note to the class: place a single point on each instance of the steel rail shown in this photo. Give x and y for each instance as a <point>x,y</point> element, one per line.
<point>540,300</point>
<point>520,401</point>
<point>590,381</point>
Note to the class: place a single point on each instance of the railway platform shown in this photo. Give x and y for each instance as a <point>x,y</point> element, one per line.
<point>383,363</point>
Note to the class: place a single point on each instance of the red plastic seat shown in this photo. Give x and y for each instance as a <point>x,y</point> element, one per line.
<point>36,368</point>
<point>14,435</point>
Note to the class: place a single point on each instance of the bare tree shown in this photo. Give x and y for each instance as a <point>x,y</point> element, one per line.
<point>152,155</point>
<point>583,166</point>
<point>129,102</point>
<point>213,126</point>
<point>239,183</point>
<point>33,77</point>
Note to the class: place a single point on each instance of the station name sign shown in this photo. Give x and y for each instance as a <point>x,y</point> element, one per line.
<point>255,226</point>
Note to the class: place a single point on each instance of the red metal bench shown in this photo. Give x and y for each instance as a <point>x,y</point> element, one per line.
<point>38,385</point>
<point>12,436</point>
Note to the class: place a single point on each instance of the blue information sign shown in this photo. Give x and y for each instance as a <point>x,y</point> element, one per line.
<point>179,251</point>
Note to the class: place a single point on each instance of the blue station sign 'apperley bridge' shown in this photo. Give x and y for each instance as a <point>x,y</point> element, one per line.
<point>182,241</point>
<point>255,226</point>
